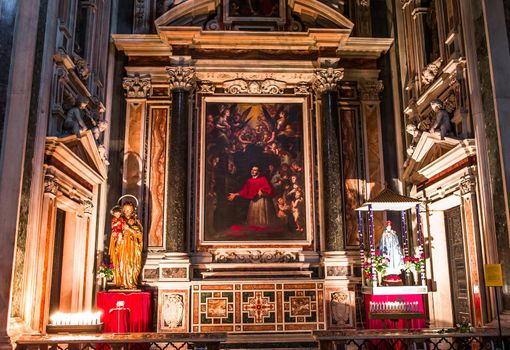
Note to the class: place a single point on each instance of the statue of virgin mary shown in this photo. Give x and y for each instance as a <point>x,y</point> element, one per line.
<point>389,247</point>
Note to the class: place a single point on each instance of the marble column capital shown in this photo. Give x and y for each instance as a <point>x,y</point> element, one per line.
<point>182,78</point>
<point>369,90</point>
<point>326,79</point>
<point>137,86</point>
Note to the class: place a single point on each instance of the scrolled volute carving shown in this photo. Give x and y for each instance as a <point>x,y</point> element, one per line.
<point>369,90</point>
<point>266,86</point>
<point>88,206</point>
<point>256,256</point>
<point>81,66</point>
<point>326,79</point>
<point>51,185</point>
<point>181,78</point>
<point>430,72</point>
<point>467,184</point>
<point>137,86</point>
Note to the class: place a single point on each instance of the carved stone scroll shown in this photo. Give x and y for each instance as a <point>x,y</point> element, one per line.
<point>255,256</point>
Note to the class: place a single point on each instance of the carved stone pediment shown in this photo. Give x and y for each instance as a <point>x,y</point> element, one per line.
<point>79,156</point>
<point>429,148</point>
<point>191,12</point>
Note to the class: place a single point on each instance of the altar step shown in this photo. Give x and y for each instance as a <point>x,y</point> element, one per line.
<point>270,341</point>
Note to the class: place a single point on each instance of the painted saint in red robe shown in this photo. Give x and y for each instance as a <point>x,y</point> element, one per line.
<point>261,211</point>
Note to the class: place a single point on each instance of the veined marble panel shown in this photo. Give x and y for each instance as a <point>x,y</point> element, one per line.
<point>158,137</point>
<point>352,177</point>
<point>374,160</point>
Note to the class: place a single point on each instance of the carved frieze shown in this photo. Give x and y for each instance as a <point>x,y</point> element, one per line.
<point>242,86</point>
<point>326,79</point>
<point>181,78</point>
<point>206,87</point>
<point>369,90</point>
<point>255,256</point>
<point>137,86</point>
<point>302,88</point>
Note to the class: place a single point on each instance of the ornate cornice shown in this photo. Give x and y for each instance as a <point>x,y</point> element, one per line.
<point>181,78</point>
<point>326,79</point>
<point>369,90</point>
<point>242,86</point>
<point>137,86</point>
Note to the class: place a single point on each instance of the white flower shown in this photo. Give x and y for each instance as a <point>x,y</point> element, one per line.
<point>101,275</point>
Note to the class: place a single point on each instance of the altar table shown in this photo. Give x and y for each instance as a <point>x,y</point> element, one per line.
<point>134,316</point>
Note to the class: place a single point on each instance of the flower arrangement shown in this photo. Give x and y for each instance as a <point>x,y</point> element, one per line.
<point>392,278</point>
<point>105,271</point>
<point>381,262</point>
<point>367,268</point>
<point>412,264</point>
<point>464,327</point>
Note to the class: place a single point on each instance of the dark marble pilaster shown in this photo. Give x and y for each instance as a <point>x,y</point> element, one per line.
<point>325,85</point>
<point>182,81</point>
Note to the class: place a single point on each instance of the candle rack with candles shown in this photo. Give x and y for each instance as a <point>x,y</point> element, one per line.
<point>82,322</point>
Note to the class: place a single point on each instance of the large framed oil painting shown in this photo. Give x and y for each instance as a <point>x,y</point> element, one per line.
<point>255,181</point>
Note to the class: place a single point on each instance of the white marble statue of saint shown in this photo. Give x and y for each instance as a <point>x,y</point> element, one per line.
<point>389,247</point>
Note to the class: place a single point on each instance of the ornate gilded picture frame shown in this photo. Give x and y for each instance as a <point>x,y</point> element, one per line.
<point>254,170</point>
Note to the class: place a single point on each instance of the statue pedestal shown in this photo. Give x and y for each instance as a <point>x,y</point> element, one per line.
<point>134,316</point>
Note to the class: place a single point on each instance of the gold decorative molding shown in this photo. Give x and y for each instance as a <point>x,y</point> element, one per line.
<point>255,256</point>
<point>326,79</point>
<point>181,78</point>
<point>369,90</point>
<point>267,86</point>
<point>137,86</point>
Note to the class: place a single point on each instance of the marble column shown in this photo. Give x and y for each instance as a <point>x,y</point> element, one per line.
<point>19,37</point>
<point>477,295</point>
<point>182,80</point>
<point>325,86</point>
<point>137,89</point>
<point>369,91</point>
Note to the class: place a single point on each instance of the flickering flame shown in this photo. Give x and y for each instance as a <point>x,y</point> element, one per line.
<point>75,319</point>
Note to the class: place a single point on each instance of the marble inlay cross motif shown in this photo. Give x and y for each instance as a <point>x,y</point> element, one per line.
<point>259,307</point>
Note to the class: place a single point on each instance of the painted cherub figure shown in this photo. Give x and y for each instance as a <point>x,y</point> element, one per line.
<point>297,205</point>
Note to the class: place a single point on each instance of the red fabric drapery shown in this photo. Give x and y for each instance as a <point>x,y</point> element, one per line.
<point>135,316</point>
